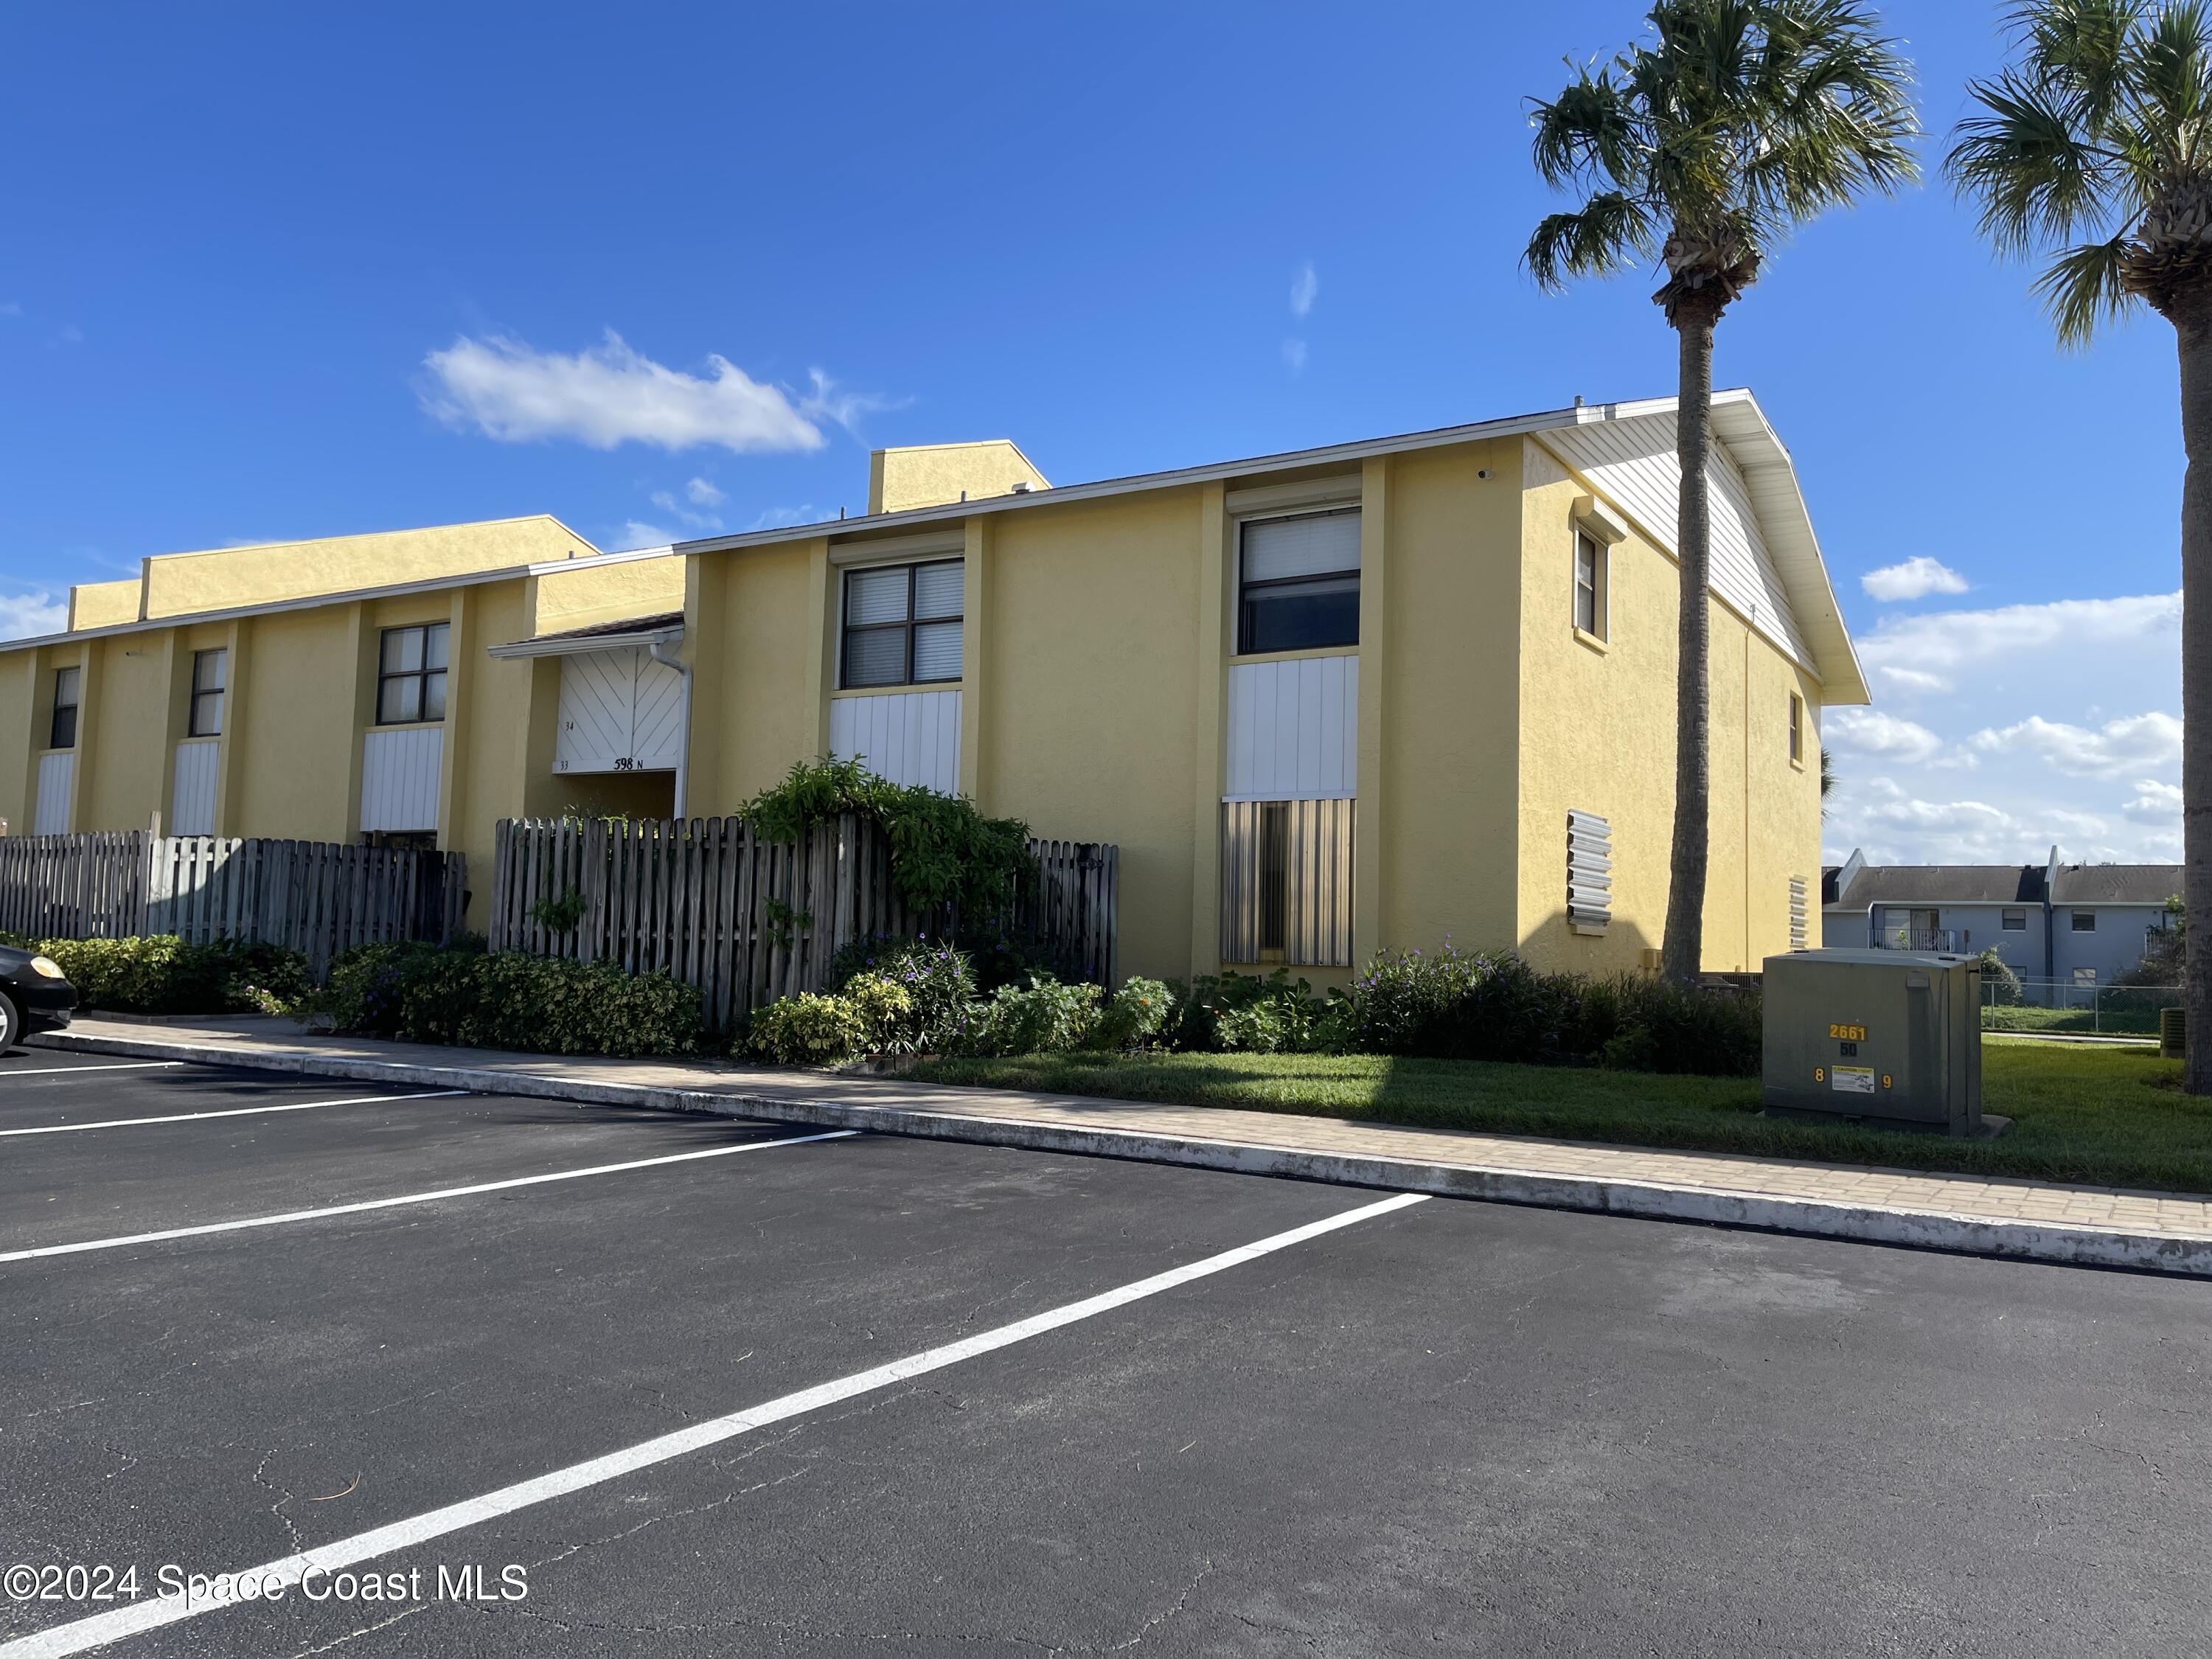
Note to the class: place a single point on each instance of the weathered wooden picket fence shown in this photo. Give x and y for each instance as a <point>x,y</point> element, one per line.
<point>715,904</point>
<point>317,897</point>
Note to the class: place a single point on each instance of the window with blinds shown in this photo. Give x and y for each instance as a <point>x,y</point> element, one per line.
<point>1589,873</point>
<point>902,624</point>
<point>1298,583</point>
<point>1286,883</point>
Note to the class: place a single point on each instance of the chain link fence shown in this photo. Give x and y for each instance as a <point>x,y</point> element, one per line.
<point>2064,1006</point>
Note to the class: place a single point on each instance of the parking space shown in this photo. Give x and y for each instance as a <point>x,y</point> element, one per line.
<point>1351,1428</point>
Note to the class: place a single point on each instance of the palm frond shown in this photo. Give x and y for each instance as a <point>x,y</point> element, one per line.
<point>2167,67</point>
<point>2034,171</point>
<point>2081,288</point>
<point>1604,235</point>
<point>2077,49</point>
<point>1588,131</point>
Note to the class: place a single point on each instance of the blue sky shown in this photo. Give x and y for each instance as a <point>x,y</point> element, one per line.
<point>276,271</point>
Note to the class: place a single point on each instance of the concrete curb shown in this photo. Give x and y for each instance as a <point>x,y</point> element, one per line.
<point>2065,1242</point>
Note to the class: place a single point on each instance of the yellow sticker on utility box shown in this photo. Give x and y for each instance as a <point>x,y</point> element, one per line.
<point>1848,1033</point>
<point>1852,1080</point>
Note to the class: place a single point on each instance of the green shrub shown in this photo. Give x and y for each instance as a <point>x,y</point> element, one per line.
<point>1043,1017</point>
<point>505,1000</point>
<point>14,941</point>
<point>1451,1005</point>
<point>162,974</point>
<point>1133,1016</point>
<point>885,1010</point>
<point>807,1029</point>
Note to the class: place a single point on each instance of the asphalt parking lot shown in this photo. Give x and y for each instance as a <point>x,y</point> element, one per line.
<point>701,1387</point>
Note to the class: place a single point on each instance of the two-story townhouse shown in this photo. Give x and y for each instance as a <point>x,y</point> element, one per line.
<point>1377,693</point>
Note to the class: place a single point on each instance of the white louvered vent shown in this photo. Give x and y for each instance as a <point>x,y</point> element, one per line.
<point>1798,933</point>
<point>1589,873</point>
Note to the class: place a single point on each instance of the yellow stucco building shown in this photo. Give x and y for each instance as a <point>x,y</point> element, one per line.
<point>1382,693</point>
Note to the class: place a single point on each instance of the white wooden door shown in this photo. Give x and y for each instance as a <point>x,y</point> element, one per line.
<point>621,711</point>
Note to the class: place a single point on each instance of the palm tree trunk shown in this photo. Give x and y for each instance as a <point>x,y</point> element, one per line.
<point>2195,329</point>
<point>1683,952</point>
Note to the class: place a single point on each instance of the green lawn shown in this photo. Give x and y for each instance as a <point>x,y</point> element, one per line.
<point>2104,1116</point>
<point>2126,1021</point>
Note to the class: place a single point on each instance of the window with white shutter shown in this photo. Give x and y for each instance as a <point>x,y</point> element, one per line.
<point>1286,882</point>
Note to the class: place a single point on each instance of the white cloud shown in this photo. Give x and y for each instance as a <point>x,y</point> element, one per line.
<point>636,533</point>
<point>1870,732</point>
<point>2154,802</point>
<point>2043,707</point>
<point>23,614</point>
<point>826,403</point>
<point>666,501</point>
<point>1294,355</point>
<point>610,395</point>
<point>1910,679</point>
<point>776,517</point>
<point>1305,286</point>
<point>703,494</point>
<point>2115,748</point>
<point>1939,645</point>
<point>1915,579</point>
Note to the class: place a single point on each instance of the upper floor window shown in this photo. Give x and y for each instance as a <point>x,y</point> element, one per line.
<point>208,672</point>
<point>1590,584</point>
<point>2014,921</point>
<point>1797,727</point>
<point>902,624</point>
<point>410,674</point>
<point>2085,921</point>
<point>62,733</point>
<point>1298,583</point>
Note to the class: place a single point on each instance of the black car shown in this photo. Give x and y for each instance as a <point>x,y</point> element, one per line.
<point>36,995</point>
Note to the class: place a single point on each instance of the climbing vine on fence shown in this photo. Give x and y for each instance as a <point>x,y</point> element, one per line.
<point>945,854</point>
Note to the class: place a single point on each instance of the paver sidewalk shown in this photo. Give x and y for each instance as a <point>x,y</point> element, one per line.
<point>2036,1220</point>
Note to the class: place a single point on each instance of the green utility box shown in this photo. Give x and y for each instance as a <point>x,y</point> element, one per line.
<point>1893,1037</point>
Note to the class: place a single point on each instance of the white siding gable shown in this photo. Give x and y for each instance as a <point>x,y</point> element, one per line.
<point>1633,464</point>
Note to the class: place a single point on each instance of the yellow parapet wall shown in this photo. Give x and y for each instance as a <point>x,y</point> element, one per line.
<point>102,605</point>
<point>936,475</point>
<point>184,584</point>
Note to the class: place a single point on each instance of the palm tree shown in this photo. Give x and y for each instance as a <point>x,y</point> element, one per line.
<point>1700,151</point>
<point>2095,150</point>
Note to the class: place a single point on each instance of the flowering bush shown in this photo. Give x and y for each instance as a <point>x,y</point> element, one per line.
<point>937,978</point>
<point>1133,1016</point>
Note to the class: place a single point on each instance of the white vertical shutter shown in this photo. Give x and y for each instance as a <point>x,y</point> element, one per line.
<point>400,772</point>
<point>1293,729</point>
<point>192,796</point>
<point>1307,872</point>
<point>907,737</point>
<point>56,773</point>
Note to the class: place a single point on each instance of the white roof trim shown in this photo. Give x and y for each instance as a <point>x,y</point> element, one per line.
<point>343,596</point>
<point>1738,421</point>
<point>558,645</point>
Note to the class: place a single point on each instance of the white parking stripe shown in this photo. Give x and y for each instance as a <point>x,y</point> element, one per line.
<point>72,1071</point>
<point>143,1616</point>
<point>413,1198</point>
<point>231,1111</point>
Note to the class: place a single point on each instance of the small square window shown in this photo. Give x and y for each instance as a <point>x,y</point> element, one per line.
<point>410,676</point>
<point>2085,921</point>
<point>902,624</point>
<point>2014,921</point>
